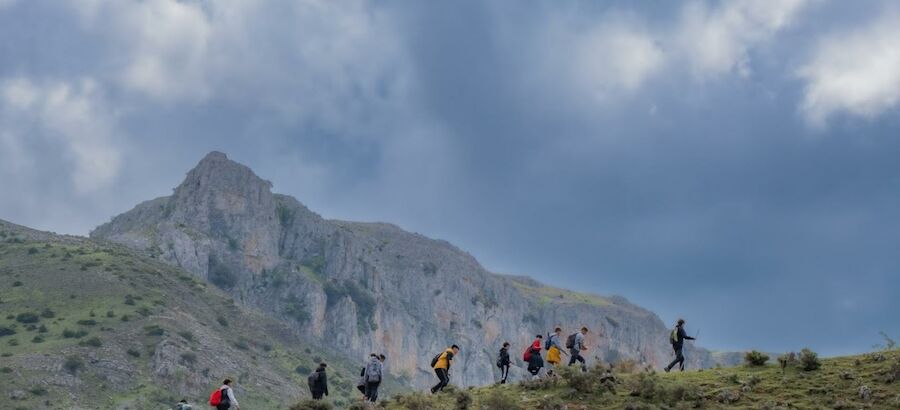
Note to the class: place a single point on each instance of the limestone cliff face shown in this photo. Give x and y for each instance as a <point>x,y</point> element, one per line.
<point>356,288</point>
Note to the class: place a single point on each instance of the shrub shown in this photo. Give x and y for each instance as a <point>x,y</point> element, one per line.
<point>48,314</point>
<point>70,334</point>
<point>154,330</point>
<point>500,399</point>
<point>596,380</point>
<point>786,360</point>
<point>133,352</point>
<point>17,284</point>
<point>302,370</point>
<point>295,308</point>
<point>6,331</point>
<point>222,321</point>
<point>92,342</point>
<point>418,401</point>
<point>645,385</point>
<point>312,405</point>
<point>221,274</point>
<point>809,360</point>
<point>186,335</point>
<point>13,342</point>
<point>87,322</point>
<point>188,358</point>
<point>42,329</point>
<point>38,339</point>
<point>626,366</point>
<point>129,300</point>
<point>110,314</point>
<point>38,391</point>
<point>32,250</point>
<point>755,358</point>
<point>124,318</point>
<point>73,364</point>
<point>6,370</point>
<point>27,317</point>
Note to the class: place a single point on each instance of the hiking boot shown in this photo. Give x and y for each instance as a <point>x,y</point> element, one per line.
<point>666,369</point>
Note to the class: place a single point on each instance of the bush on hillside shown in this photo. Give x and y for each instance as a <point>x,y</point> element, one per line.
<point>312,405</point>
<point>500,399</point>
<point>809,360</point>
<point>597,380</point>
<point>72,334</point>
<point>27,317</point>
<point>73,364</point>
<point>6,331</point>
<point>417,401</point>
<point>92,342</point>
<point>48,314</point>
<point>755,358</point>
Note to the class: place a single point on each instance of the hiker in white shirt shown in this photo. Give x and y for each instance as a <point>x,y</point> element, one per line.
<point>232,401</point>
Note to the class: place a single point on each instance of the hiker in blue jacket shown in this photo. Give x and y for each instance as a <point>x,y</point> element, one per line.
<point>677,338</point>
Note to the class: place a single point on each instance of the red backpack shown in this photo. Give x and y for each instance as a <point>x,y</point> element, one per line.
<point>217,397</point>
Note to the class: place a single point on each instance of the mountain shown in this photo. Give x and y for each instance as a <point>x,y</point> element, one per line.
<point>354,288</point>
<point>89,324</point>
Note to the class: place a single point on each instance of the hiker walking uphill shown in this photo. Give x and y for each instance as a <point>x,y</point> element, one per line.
<point>318,382</point>
<point>532,356</point>
<point>503,362</point>
<point>223,399</point>
<point>441,365</point>
<point>677,338</point>
<point>373,374</point>
<point>575,344</point>
<point>554,348</point>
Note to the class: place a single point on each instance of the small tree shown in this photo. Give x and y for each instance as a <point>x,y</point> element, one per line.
<point>755,358</point>
<point>809,360</point>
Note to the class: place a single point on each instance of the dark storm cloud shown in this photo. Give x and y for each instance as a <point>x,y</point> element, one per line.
<point>699,158</point>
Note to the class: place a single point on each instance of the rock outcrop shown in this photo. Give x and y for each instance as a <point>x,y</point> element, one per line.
<point>356,288</point>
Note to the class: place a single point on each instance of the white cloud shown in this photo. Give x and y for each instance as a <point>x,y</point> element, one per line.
<point>37,118</point>
<point>717,40</point>
<point>616,57</point>
<point>855,72</point>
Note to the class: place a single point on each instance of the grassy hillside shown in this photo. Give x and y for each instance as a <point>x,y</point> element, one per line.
<point>866,381</point>
<point>87,324</point>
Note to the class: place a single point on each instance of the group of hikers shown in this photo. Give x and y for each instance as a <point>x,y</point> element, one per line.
<point>372,373</point>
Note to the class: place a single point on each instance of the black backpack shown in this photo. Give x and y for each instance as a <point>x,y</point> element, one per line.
<point>547,342</point>
<point>436,358</point>
<point>570,341</point>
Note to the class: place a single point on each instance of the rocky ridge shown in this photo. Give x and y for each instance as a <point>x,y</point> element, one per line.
<point>354,288</point>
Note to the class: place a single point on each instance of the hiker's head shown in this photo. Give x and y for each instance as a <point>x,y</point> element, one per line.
<point>584,330</point>
<point>374,355</point>
<point>455,349</point>
<point>227,382</point>
<point>505,344</point>
<point>323,365</point>
<point>558,330</point>
<point>540,336</point>
<point>183,401</point>
<point>382,357</point>
<point>680,322</point>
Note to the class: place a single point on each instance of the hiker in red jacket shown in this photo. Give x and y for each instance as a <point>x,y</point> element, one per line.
<point>533,357</point>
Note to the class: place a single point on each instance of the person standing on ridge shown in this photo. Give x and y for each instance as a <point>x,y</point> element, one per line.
<point>318,382</point>
<point>227,399</point>
<point>554,349</point>
<point>373,377</point>
<point>677,338</point>
<point>441,364</point>
<point>532,356</point>
<point>503,362</point>
<point>575,344</point>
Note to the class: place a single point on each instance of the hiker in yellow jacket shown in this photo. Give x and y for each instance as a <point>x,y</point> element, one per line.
<point>553,354</point>
<point>441,364</point>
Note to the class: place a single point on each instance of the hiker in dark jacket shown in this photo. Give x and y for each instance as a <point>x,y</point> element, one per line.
<point>318,382</point>
<point>503,362</point>
<point>373,375</point>
<point>533,357</point>
<point>677,338</point>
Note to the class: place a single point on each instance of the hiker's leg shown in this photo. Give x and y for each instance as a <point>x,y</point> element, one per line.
<point>573,356</point>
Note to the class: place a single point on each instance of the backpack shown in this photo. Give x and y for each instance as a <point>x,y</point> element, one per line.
<point>547,342</point>
<point>312,379</point>
<point>218,397</point>
<point>570,341</point>
<point>373,372</point>
<point>436,358</point>
<point>673,336</point>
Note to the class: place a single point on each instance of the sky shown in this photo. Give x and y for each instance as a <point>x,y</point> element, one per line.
<point>734,163</point>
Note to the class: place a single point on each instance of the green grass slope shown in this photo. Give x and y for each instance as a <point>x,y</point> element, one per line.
<point>91,325</point>
<point>869,381</point>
